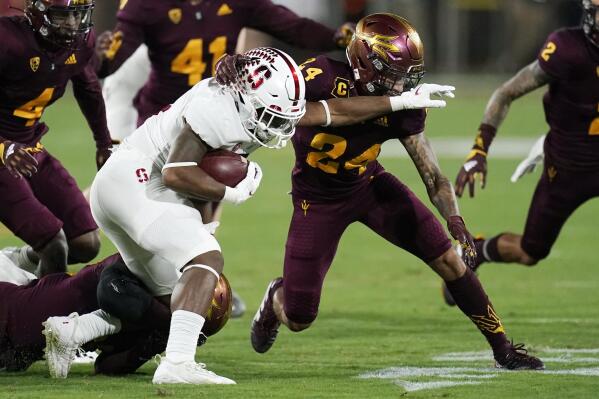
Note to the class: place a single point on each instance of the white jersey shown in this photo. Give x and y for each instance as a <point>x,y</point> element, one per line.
<point>211,113</point>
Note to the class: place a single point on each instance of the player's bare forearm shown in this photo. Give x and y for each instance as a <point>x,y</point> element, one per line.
<point>438,187</point>
<point>526,80</point>
<point>346,111</point>
<point>190,180</point>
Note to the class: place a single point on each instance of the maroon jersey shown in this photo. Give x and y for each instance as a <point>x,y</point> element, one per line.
<point>333,162</point>
<point>32,78</point>
<point>185,40</point>
<point>572,102</point>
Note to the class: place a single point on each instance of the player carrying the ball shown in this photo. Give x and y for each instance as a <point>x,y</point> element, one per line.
<point>142,197</point>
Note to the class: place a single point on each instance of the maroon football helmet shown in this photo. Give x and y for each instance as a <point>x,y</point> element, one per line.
<point>589,21</point>
<point>64,23</point>
<point>386,55</point>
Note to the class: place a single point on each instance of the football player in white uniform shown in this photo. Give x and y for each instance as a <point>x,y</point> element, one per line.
<point>141,197</point>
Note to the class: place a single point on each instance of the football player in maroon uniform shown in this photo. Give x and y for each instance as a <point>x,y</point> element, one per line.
<point>186,39</point>
<point>39,201</point>
<point>23,308</point>
<point>568,64</point>
<point>338,181</point>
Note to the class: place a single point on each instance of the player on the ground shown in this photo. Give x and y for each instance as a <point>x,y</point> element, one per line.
<point>23,308</point>
<point>39,201</point>
<point>568,64</point>
<point>185,40</point>
<point>337,181</point>
<point>141,197</point>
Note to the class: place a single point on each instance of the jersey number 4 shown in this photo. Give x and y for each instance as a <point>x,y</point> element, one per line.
<point>326,160</point>
<point>189,61</point>
<point>32,110</point>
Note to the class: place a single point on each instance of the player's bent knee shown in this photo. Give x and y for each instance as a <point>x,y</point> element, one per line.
<point>449,266</point>
<point>85,247</point>
<point>121,294</point>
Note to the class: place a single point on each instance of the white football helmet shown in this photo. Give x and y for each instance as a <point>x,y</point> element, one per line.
<point>270,94</point>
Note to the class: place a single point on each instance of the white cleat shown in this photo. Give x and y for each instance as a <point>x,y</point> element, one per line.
<point>61,347</point>
<point>188,372</point>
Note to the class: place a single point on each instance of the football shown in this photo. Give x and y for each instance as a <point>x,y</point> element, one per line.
<point>225,166</point>
<point>220,308</point>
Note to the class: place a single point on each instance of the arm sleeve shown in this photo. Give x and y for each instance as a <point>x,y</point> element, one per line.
<point>88,93</point>
<point>284,24</point>
<point>553,56</point>
<point>128,36</point>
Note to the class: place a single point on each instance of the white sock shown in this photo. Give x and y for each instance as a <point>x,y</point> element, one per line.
<point>183,336</point>
<point>95,325</point>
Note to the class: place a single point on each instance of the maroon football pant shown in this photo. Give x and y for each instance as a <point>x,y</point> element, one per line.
<point>36,208</point>
<point>558,194</point>
<point>386,206</point>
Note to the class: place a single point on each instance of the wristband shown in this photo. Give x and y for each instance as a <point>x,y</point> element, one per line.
<point>486,134</point>
<point>327,112</point>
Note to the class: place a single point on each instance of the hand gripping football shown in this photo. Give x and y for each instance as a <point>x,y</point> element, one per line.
<point>220,308</point>
<point>225,166</point>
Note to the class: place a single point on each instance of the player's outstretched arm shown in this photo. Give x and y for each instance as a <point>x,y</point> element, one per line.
<point>349,111</point>
<point>440,192</point>
<point>526,80</point>
<point>182,174</point>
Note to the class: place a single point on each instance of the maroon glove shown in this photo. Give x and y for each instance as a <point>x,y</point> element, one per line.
<point>457,229</point>
<point>226,68</point>
<point>17,159</point>
<point>343,34</point>
<point>475,165</point>
<point>102,155</point>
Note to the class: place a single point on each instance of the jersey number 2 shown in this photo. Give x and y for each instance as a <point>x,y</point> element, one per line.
<point>189,61</point>
<point>325,160</point>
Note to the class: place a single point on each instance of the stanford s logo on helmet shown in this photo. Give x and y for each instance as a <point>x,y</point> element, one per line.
<point>386,54</point>
<point>65,23</point>
<point>589,21</point>
<point>270,94</point>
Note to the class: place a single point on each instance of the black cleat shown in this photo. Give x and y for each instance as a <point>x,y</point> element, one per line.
<point>516,357</point>
<point>447,295</point>
<point>265,325</point>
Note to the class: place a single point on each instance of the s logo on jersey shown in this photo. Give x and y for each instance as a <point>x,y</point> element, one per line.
<point>142,175</point>
<point>257,78</point>
<point>175,15</point>
<point>34,63</point>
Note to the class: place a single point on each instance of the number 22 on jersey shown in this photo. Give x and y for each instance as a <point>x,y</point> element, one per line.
<point>326,160</point>
<point>189,61</point>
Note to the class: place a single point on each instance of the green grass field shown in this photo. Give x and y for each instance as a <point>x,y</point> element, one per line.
<point>381,308</point>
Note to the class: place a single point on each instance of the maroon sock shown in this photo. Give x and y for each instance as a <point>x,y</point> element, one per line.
<point>472,300</point>
<point>490,250</point>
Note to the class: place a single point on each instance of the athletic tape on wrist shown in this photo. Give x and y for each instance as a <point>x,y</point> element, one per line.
<point>327,111</point>
<point>198,266</point>
<point>178,164</point>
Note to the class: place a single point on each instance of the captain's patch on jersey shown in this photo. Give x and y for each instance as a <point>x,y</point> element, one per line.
<point>340,88</point>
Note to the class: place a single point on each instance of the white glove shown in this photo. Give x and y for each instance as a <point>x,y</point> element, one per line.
<point>245,188</point>
<point>528,165</point>
<point>419,97</point>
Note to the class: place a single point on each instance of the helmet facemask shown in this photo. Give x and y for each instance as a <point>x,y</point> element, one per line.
<point>63,23</point>
<point>392,81</point>
<point>589,21</point>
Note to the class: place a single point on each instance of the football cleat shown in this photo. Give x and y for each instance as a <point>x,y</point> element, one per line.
<point>188,372</point>
<point>61,347</point>
<point>265,325</point>
<point>516,357</point>
<point>19,257</point>
<point>238,308</point>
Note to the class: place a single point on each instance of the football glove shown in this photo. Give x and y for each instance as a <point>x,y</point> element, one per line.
<point>475,166</point>
<point>245,188</point>
<point>226,68</point>
<point>17,158</point>
<point>529,164</point>
<point>420,97</point>
<point>343,34</point>
<point>457,229</point>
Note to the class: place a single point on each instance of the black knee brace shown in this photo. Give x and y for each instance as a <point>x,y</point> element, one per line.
<point>121,294</point>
